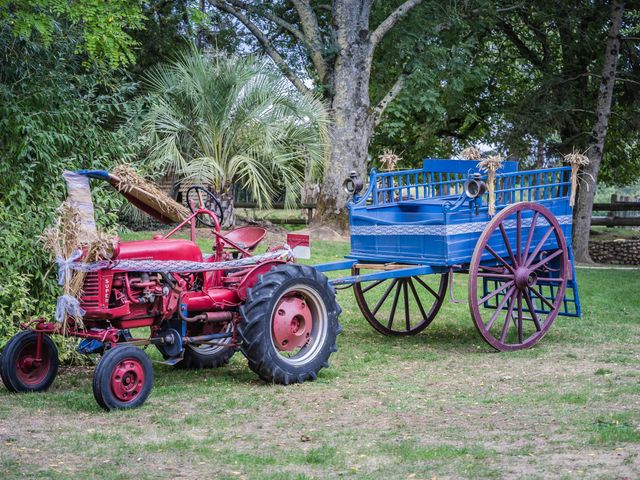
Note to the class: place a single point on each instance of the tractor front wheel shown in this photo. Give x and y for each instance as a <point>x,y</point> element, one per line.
<point>290,324</point>
<point>123,378</point>
<point>21,369</point>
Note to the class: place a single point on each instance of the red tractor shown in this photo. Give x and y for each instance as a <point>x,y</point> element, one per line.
<point>199,310</point>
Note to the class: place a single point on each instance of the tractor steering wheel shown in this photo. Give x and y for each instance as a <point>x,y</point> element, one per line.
<point>200,197</point>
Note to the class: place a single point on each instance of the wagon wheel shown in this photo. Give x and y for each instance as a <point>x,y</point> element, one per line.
<point>522,258</point>
<point>401,306</point>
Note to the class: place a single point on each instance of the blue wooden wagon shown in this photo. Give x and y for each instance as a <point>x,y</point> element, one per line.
<point>412,230</point>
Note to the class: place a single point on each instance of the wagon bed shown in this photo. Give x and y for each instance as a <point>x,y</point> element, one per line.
<point>412,230</point>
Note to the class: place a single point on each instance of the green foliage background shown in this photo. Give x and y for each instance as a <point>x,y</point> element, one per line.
<point>55,114</point>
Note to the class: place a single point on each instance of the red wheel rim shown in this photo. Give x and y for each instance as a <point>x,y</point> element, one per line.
<point>299,325</point>
<point>28,370</point>
<point>127,379</point>
<point>292,323</point>
<point>514,255</point>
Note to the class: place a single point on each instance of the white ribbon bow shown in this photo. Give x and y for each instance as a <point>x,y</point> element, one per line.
<point>64,266</point>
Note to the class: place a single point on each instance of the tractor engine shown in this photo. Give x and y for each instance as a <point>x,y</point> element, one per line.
<point>138,299</point>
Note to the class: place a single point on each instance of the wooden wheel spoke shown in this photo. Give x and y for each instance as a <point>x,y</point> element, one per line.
<point>417,297</point>
<point>373,285</point>
<point>499,258</point>
<point>538,247</point>
<point>489,269</point>
<point>550,279</point>
<point>546,260</point>
<point>502,276</point>
<point>495,292</point>
<point>431,290</point>
<point>519,235</point>
<point>530,305</point>
<point>542,298</point>
<point>519,321</point>
<point>384,297</point>
<point>507,320</point>
<point>407,319</point>
<point>532,229</point>
<point>507,244</point>
<point>499,308</point>
<point>394,306</point>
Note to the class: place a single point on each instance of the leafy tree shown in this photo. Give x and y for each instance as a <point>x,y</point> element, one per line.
<point>549,76</point>
<point>446,101</point>
<point>585,196</point>
<point>169,26</point>
<point>104,25</point>
<point>231,120</point>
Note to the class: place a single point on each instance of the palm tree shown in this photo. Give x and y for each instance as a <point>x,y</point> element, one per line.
<point>230,121</point>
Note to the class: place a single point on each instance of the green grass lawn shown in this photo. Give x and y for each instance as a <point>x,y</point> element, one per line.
<point>440,404</point>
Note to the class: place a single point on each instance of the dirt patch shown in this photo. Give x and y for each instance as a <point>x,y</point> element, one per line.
<point>325,233</point>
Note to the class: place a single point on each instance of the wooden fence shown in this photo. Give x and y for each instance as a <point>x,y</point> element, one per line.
<point>622,212</point>
<point>305,220</point>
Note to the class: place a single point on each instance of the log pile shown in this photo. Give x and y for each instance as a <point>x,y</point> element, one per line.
<point>620,251</point>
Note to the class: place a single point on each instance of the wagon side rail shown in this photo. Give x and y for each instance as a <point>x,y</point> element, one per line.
<point>533,186</point>
<point>446,181</point>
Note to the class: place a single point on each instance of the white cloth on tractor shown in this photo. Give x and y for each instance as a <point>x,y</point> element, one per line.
<point>177,266</point>
<point>79,195</point>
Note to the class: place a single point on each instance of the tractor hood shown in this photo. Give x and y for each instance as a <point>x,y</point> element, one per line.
<point>158,249</point>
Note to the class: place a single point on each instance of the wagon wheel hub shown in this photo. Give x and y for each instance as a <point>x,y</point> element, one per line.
<point>292,324</point>
<point>525,278</point>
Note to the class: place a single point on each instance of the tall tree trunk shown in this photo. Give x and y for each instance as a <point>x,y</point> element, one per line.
<point>350,137</point>
<point>584,199</point>
<point>350,107</point>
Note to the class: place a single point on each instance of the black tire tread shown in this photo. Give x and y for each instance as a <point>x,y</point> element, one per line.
<point>194,360</point>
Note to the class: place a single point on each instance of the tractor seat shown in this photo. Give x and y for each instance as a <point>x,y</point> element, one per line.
<point>246,237</point>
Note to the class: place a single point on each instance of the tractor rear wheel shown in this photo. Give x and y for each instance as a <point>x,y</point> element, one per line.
<point>290,324</point>
<point>19,368</point>
<point>123,378</point>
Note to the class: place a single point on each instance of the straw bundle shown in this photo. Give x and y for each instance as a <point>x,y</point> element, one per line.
<point>470,153</point>
<point>576,160</point>
<point>389,160</point>
<point>65,241</point>
<point>129,182</point>
<point>491,165</point>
